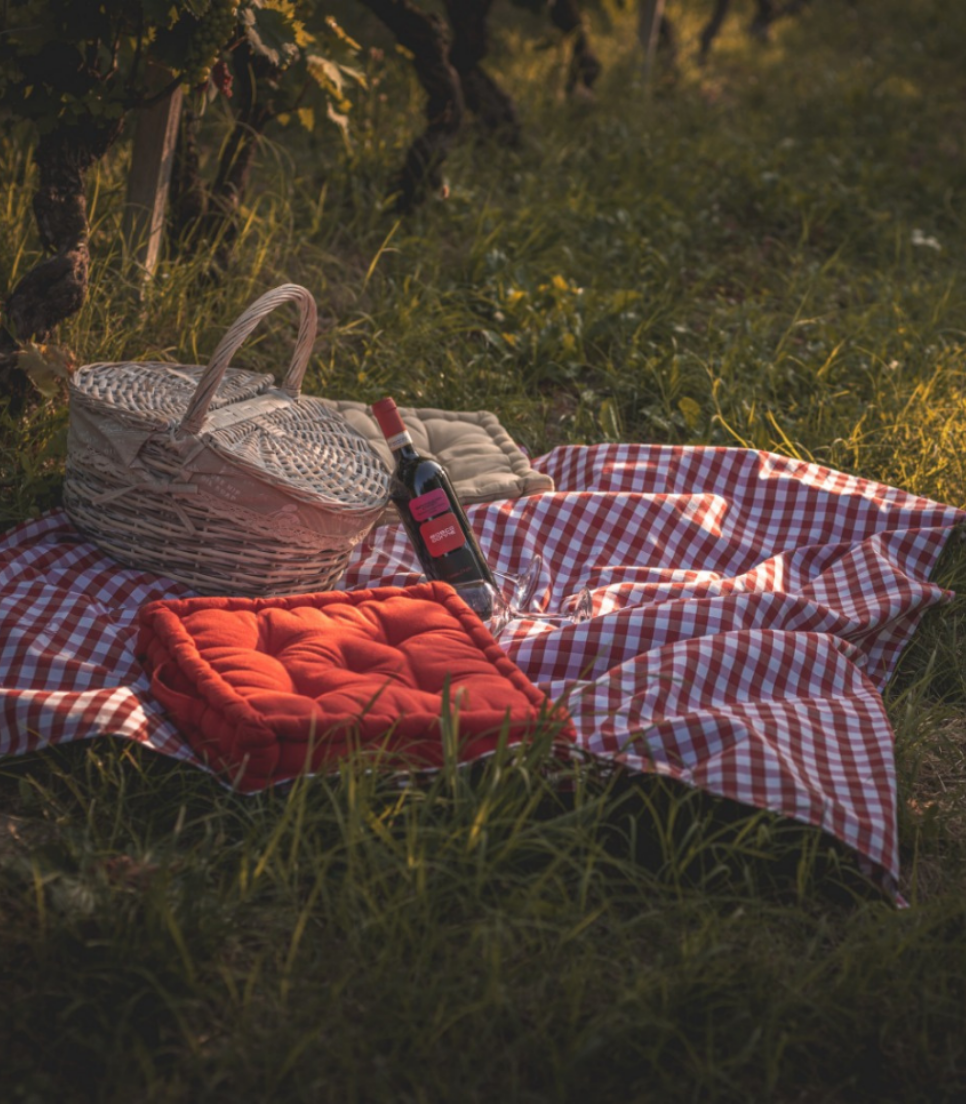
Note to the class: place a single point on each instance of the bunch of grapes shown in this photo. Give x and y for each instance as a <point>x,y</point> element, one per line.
<point>209,36</point>
<point>221,77</point>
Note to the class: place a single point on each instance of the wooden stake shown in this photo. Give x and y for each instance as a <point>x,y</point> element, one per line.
<point>650,14</point>
<point>155,135</point>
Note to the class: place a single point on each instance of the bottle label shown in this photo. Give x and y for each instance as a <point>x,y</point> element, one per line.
<point>442,534</point>
<point>429,504</point>
<point>397,440</point>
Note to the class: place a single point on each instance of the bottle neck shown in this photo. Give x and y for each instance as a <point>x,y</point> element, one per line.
<point>402,446</point>
<point>394,429</point>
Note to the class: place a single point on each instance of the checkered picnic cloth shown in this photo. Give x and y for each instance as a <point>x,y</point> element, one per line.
<point>749,609</point>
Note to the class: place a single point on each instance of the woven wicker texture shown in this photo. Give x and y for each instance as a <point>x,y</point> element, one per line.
<point>149,394</point>
<point>216,477</point>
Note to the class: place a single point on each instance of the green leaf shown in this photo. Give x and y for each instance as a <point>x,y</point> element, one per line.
<point>160,13</point>
<point>326,72</point>
<point>48,366</point>
<point>354,74</point>
<point>271,34</point>
<point>341,121</point>
<point>610,420</point>
<point>691,411</point>
<point>334,29</point>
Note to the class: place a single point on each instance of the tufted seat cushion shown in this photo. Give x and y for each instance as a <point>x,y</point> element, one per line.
<point>265,688</point>
<point>482,460</point>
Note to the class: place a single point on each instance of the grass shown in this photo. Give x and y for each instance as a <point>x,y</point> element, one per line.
<point>766,251</point>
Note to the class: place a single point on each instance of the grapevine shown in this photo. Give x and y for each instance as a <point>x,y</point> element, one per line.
<point>210,34</point>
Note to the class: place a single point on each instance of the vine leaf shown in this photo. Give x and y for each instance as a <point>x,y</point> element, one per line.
<point>47,366</point>
<point>270,34</point>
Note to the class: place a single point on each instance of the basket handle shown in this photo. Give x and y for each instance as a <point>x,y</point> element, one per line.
<point>240,329</point>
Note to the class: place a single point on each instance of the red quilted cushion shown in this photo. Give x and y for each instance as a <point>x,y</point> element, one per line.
<point>266,687</point>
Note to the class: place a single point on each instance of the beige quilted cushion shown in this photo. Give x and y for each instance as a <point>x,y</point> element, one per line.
<point>480,457</point>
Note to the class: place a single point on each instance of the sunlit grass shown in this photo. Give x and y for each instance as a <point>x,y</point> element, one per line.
<point>766,251</point>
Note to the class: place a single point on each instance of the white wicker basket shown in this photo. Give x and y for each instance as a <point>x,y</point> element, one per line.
<point>214,476</point>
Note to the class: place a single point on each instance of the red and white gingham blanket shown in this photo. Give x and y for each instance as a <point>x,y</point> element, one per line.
<point>749,610</point>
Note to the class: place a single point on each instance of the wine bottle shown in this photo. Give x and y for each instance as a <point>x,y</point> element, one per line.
<point>431,513</point>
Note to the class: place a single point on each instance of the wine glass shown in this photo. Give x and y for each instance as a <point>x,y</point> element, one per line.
<point>579,607</point>
<point>524,584</point>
